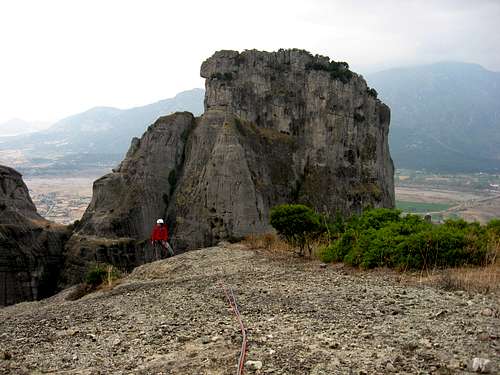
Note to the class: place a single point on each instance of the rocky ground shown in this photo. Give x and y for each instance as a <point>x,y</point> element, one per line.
<point>172,317</point>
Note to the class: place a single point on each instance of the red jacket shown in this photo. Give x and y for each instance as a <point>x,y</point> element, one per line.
<point>159,233</point>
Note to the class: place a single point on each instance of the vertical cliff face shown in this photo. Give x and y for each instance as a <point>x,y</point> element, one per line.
<point>282,127</point>
<point>126,203</point>
<point>30,246</point>
<point>340,126</point>
<point>233,174</point>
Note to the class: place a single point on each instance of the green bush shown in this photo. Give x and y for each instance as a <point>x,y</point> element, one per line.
<point>296,223</point>
<point>381,237</point>
<point>338,70</point>
<point>99,273</point>
<point>493,227</point>
<point>372,92</point>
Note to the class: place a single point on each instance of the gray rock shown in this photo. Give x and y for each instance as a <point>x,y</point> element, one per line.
<point>390,367</point>
<point>482,365</point>
<point>487,312</point>
<point>126,203</point>
<point>31,248</point>
<point>253,365</point>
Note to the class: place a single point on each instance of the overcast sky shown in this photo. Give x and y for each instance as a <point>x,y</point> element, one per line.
<point>60,57</point>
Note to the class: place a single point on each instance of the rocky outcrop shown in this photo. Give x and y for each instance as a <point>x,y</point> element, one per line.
<point>30,246</point>
<point>126,203</point>
<point>278,127</point>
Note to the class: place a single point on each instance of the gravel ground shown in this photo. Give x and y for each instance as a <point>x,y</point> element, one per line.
<point>172,317</point>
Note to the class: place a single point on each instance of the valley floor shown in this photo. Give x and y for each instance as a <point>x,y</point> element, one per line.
<point>172,317</point>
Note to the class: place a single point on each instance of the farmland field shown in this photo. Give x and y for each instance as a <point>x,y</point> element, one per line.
<point>421,207</point>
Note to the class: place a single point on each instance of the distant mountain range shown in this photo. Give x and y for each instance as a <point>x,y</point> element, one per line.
<point>445,116</point>
<point>17,126</point>
<point>98,137</point>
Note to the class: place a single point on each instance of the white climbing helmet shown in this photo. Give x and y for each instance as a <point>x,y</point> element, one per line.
<point>159,221</point>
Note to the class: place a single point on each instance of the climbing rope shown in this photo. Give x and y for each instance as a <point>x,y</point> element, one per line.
<point>234,306</point>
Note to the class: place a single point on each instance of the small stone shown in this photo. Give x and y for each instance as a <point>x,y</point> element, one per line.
<point>334,345</point>
<point>390,367</point>
<point>183,338</point>
<point>440,313</point>
<point>487,312</point>
<point>253,365</point>
<point>483,336</point>
<point>456,364</point>
<point>6,356</point>
<point>271,351</point>
<point>482,365</point>
<point>92,337</point>
<point>322,265</point>
<point>205,340</point>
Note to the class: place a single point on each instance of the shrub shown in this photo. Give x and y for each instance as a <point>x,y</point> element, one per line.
<point>296,223</point>
<point>493,227</point>
<point>381,237</point>
<point>338,70</point>
<point>372,92</point>
<point>99,273</point>
<point>222,76</point>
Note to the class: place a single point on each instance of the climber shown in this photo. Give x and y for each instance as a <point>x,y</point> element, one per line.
<point>159,238</point>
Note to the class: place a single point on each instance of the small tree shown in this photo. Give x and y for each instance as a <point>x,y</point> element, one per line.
<point>297,224</point>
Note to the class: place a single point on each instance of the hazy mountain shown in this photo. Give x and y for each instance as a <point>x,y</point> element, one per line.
<point>445,116</point>
<point>18,126</point>
<point>99,136</point>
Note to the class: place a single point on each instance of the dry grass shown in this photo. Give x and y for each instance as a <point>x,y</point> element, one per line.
<point>473,280</point>
<point>113,278</point>
<point>483,280</point>
<point>272,243</point>
<point>269,242</point>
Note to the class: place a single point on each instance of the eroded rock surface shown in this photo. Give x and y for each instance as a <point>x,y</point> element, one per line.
<point>126,203</point>
<point>30,246</point>
<point>282,127</point>
<point>172,317</point>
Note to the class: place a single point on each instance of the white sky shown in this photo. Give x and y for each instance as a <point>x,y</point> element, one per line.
<point>60,57</point>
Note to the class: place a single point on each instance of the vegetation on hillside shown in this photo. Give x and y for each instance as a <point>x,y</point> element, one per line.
<point>383,237</point>
<point>338,70</point>
<point>98,276</point>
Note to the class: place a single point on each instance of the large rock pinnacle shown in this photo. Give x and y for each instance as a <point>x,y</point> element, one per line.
<point>279,127</point>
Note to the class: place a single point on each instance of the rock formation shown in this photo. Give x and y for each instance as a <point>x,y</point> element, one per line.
<point>278,127</point>
<point>126,202</point>
<point>30,246</point>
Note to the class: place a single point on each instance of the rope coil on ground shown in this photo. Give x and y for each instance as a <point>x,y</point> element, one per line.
<point>232,302</point>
